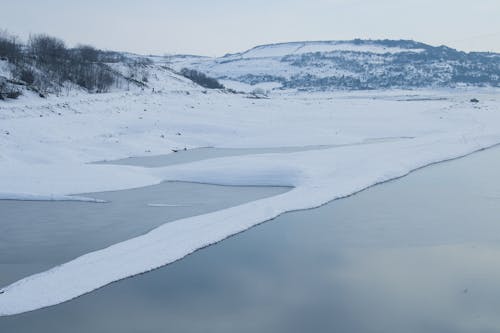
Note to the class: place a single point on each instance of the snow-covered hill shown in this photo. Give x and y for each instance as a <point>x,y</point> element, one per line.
<point>356,64</point>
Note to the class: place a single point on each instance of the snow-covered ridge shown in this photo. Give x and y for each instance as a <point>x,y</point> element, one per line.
<point>297,48</point>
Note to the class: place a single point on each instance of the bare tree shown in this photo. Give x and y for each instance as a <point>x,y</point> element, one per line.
<point>10,48</point>
<point>87,53</point>
<point>48,50</point>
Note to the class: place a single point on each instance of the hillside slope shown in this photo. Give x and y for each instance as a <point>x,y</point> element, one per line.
<point>356,64</point>
<point>128,75</point>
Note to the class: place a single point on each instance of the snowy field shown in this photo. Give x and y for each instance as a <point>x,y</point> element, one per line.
<point>47,148</point>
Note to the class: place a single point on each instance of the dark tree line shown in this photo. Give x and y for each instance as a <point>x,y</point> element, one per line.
<point>201,79</point>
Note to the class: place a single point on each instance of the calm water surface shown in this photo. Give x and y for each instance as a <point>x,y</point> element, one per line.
<point>420,254</point>
<point>35,236</point>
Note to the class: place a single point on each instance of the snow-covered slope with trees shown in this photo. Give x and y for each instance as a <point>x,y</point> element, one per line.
<point>44,66</point>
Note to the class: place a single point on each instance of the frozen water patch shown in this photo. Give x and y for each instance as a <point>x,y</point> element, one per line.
<point>205,153</point>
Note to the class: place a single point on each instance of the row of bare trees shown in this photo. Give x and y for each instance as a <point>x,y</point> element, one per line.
<point>44,63</point>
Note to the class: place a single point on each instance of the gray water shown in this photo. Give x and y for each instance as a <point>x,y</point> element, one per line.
<point>35,236</point>
<point>420,254</point>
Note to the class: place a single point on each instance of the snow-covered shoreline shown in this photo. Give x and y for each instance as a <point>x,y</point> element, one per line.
<point>35,197</point>
<point>440,129</point>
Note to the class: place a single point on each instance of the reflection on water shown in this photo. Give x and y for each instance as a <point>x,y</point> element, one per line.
<point>421,254</point>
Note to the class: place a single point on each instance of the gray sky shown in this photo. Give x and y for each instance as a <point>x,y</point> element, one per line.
<point>217,27</point>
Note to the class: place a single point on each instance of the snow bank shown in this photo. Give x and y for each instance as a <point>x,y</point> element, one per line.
<point>41,197</point>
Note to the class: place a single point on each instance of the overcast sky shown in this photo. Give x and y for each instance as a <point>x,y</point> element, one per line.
<point>216,27</point>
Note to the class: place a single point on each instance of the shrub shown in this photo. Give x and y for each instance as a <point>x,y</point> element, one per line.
<point>7,90</point>
<point>201,79</point>
<point>13,94</point>
<point>27,75</point>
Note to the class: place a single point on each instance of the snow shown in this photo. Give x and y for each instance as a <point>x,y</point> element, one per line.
<point>281,50</point>
<point>248,88</point>
<point>378,136</point>
<point>5,69</point>
<point>158,77</point>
